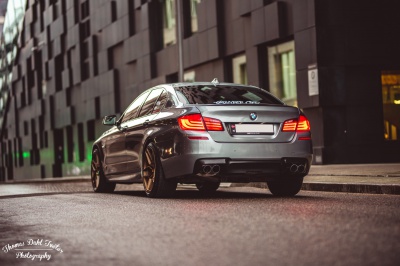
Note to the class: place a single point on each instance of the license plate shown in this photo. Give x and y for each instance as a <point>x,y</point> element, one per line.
<point>252,129</point>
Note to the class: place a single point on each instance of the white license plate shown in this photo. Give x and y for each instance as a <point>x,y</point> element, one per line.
<point>254,129</point>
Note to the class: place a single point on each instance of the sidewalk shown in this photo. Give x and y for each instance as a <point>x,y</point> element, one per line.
<point>353,178</point>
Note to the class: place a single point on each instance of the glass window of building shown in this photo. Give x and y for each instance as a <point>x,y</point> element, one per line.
<point>11,28</point>
<point>169,22</point>
<point>239,69</point>
<point>189,76</point>
<point>391,104</point>
<point>282,72</point>
<point>193,14</point>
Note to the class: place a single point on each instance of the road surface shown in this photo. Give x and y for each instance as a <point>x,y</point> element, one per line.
<point>235,226</point>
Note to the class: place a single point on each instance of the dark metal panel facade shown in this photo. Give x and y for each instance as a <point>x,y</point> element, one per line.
<point>79,60</point>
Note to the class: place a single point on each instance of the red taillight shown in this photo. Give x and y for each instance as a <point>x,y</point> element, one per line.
<point>198,123</point>
<point>213,124</point>
<point>303,125</point>
<point>289,125</point>
<point>191,122</point>
<point>297,125</point>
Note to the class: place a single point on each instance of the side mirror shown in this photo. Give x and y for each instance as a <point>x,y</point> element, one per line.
<point>109,120</point>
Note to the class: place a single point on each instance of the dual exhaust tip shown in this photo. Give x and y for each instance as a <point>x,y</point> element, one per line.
<point>214,169</point>
<point>297,168</point>
<point>211,169</point>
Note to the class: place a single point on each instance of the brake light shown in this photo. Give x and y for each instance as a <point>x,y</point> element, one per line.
<point>191,122</point>
<point>213,124</point>
<point>289,125</point>
<point>303,125</point>
<point>199,123</point>
<point>297,125</point>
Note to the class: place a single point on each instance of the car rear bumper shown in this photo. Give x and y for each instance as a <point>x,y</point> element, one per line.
<point>193,160</point>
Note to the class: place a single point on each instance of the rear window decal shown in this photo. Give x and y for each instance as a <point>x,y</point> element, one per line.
<point>237,102</point>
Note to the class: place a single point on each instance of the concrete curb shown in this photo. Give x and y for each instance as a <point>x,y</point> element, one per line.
<point>352,175</point>
<point>336,187</point>
<point>353,188</point>
<point>49,180</point>
<point>391,189</point>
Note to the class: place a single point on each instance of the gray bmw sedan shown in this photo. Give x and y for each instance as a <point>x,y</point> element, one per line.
<point>203,133</point>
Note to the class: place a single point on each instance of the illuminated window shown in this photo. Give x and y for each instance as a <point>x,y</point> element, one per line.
<point>282,72</point>
<point>189,76</point>
<point>193,14</point>
<point>391,103</point>
<point>169,22</point>
<point>239,69</point>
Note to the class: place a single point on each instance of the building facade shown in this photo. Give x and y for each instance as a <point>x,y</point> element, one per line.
<point>67,63</point>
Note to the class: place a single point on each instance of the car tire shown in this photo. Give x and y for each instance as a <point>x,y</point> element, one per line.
<point>154,183</point>
<point>99,182</point>
<point>208,187</point>
<point>286,188</point>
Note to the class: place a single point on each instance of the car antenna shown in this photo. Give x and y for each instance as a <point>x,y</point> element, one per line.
<point>215,82</point>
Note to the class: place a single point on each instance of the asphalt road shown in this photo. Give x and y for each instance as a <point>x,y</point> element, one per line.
<point>236,226</point>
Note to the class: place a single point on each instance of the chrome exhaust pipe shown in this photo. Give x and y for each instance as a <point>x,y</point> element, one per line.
<point>294,168</point>
<point>216,168</point>
<point>207,169</point>
<point>211,169</point>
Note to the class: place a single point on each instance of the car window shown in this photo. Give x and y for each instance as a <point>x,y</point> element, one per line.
<point>224,95</point>
<point>131,111</point>
<point>182,97</point>
<point>148,105</point>
<point>162,100</point>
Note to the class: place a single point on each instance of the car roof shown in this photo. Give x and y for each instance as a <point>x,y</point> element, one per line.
<point>200,83</point>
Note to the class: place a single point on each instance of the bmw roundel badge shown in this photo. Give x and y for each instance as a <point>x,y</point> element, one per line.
<point>253,116</point>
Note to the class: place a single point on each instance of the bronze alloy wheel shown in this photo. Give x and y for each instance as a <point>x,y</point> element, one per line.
<point>149,170</point>
<point>154,183</point>
<point>95,170</point>
<point>99,181</point>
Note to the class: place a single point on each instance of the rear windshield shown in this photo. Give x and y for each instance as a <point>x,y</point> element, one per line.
<point>224,95</point>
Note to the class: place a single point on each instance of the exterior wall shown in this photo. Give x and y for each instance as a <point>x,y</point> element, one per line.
<point>356,41</point>
<point>80,60</point>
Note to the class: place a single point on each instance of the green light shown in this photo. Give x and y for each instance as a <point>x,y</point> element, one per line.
<point>89,157</point>
<point>26,154</point>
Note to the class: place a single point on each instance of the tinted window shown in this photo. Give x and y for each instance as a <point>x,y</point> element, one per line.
<point>132,110</point>
<point>162,100</point>
<point>150,102</point>
<point>224,95</point>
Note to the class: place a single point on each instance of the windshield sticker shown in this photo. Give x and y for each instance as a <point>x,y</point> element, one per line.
<point>236,102</point>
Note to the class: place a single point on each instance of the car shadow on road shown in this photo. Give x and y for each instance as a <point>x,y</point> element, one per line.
<point>192,194</point>
<point>180,194</point>
<point>41,194</point>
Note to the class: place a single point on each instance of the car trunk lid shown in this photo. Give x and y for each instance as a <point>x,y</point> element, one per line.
<point>250,123</point>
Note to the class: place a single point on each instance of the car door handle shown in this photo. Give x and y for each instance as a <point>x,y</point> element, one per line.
<point>124,128</point>
<point>146,122</point>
